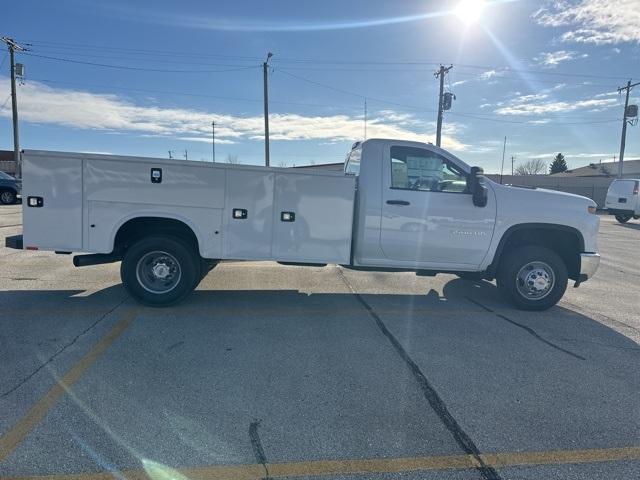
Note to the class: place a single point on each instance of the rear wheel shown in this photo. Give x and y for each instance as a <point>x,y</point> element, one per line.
<point>623,217</point>
<point>8,197</point>
<point>160,270</point>
<point>532,277</point>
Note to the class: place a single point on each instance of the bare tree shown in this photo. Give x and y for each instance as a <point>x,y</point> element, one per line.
<point>283,164</point>
<point>535,166</point>
<point>233,159</point>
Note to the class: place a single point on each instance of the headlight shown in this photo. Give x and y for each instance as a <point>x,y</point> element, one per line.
<point>591,209</point>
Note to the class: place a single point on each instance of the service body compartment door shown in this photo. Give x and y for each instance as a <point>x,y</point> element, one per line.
<point>57,181</point>
<point>248,232</point>
<point>313,217</point>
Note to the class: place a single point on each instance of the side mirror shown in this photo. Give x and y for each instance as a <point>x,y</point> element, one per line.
<point>478,191</point>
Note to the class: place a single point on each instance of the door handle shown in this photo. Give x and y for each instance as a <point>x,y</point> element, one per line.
<point>397,202</point>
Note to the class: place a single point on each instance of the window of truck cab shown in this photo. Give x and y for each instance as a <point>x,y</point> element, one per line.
<point>419,169</point>
<point>352,165</point>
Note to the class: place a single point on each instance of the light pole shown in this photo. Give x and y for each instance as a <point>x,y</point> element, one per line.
<point>213,141</point>
<point>265,71</point>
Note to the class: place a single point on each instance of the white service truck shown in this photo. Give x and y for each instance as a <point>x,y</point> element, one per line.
<point>398,206</point>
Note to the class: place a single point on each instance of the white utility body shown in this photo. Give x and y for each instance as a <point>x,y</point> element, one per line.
<point>398,205</point>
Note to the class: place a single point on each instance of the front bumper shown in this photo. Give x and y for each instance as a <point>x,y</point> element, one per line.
<point>589,263</point>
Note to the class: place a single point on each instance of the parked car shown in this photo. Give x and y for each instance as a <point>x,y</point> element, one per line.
<point>623,200</point>
<point>10,188</point>
<point>416,208</point>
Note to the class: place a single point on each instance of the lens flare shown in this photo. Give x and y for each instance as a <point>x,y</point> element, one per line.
<point>469,11</point>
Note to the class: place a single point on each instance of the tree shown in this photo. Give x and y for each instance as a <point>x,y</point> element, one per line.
<point>233,159</point>
<point>558,165</point>
<point>535,166</point>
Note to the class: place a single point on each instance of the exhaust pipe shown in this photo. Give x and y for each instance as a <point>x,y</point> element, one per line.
<point>94,259</point>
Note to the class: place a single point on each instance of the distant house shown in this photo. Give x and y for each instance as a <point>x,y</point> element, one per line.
<point>631,168</point>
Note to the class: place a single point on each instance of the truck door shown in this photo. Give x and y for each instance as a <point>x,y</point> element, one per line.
<point>428,217</point>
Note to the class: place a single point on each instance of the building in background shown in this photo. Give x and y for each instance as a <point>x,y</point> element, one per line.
<point>7,164</point>
<point>631,169</point>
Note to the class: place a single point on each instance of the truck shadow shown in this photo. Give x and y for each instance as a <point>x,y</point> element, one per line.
<point>463,304</point>
<point>632,226</point>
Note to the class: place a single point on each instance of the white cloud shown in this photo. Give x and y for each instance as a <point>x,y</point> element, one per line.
<point>459,82</point>
<point>489,74</point>
<point>593,21</point>
<point>539,104</point>
<point>553,59</point>
<point>111,113</point>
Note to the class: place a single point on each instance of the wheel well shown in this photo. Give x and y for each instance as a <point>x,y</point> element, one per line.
<point>567,242</point>
<point>140,227</point>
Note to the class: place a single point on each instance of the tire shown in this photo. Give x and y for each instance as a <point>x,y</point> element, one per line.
<point>623,217</point>
<point>532,277</point>
<point>8,197</point>
<point>160,270</point>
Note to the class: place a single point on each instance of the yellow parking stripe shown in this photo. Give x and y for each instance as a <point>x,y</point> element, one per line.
<point>365,466</point>
<point>10,441</point>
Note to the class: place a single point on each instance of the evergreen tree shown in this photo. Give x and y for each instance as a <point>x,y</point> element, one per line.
<point>559,164</point>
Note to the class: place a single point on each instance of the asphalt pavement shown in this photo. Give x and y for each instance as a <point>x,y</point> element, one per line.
<point>271,371</point>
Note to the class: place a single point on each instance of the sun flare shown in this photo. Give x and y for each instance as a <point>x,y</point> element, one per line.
<point>469,11</point>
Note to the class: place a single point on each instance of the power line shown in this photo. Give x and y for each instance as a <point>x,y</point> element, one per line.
<point>124,67</point>
<point>4,104</point>
<point>189,94</point>
<point>292,60</point>
<point>166,53</point>
<point>412,107</point>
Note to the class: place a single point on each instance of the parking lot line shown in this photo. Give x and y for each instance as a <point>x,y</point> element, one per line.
<point>362,466</point>
<point>10,441</point>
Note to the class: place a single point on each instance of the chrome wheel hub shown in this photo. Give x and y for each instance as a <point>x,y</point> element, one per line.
<point>158,272</point>
<point>535,280</point>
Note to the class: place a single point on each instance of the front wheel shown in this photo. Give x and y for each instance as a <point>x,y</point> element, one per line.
<point>8,197</point>
<point>623,218</point>
<point>159,271</point>
<point>532,277</point>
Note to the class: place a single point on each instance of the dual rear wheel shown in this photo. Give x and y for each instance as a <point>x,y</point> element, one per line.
<point>162,270</point>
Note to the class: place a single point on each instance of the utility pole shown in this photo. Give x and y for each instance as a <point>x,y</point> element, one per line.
<point>170,157</point>
<point>623,140</point>
<point>365,118</point>
<point>265,72</point>
<point>186,155</point>
<point>504,149</point>
<point>213,142</point>
<point>13,47</point>
<point>442,71</point>
<point>513,159</point>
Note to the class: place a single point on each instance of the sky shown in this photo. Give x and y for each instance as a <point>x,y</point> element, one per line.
<point>148,77</point>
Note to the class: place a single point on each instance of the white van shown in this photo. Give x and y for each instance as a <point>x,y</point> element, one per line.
<point>623,200</point>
